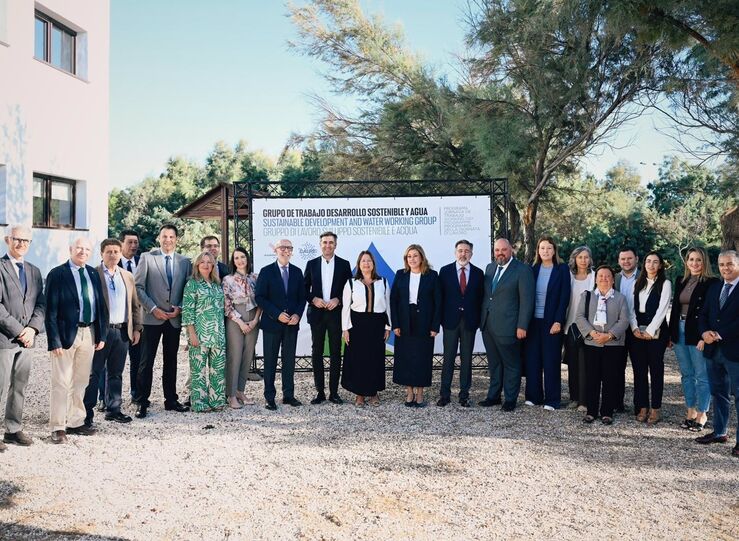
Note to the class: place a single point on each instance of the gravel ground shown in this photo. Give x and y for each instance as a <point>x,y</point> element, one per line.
<point>341,472</point>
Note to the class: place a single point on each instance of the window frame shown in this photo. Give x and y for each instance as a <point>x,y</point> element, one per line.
<point>52,23</point>
<point>48,181</point>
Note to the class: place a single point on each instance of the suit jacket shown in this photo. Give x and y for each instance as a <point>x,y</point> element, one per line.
<point>428,302</point>
<point>133,306</point>
<point>272,299</point>
<point>18,309</point>
<point>314,284</point>
<point>153,289</point>
<point>63,307</point>
<point>724,321</point>
<point>455,306</point>
<point>222,270</point>
<point>511,305</point>
<point>694,308</point>
<point>617,318</point>
<point>558,294</point>
<point>136,258</point>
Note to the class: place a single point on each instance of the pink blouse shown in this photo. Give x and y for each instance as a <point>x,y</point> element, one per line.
<point>239,290</point>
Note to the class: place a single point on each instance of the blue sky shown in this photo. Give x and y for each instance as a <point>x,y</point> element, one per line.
<point>186,74</point>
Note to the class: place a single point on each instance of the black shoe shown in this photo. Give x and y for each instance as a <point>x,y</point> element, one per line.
<point>318,399</point>
<point>118,417</point>
<point>508,406</point>
<point>81,430</point>
<point>711,438</point>
<point>294,402</point>
<point>181,408</point>
<point>270,405</point>
<point>18,438</point>
<point>187,403</point>
<point>464,402</point>
<point>411,404</point>
<point>488,403</point>
<point>735,451</point>
<point>141,411</point>
<point>335,399</point>
<point>443,401</point>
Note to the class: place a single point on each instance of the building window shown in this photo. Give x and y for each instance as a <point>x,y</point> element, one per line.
<point>53,202</point>
<point>54,43</point>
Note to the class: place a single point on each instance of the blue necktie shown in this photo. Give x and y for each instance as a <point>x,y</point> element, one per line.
<point>496,278</point>
<point>168,269</point>
<point>284,278</point>
<point>22,277</point>
<point>724,295</point>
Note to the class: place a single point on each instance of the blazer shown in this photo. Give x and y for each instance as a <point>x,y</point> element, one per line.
<point>456,306</point>
<point>314,284</point>
<point>136,258</point>
<point>18,309</point>
<point>272,299</point>
<point>694,307</point>
<point>558,294</point>
<point>429,303</point>
<point>153,289</point>
<point>617,318</point>
<point>724,321</point>
<point>133,306</point>
<point>511,305</point>
<point>63,307</point>
<point>222,270</point>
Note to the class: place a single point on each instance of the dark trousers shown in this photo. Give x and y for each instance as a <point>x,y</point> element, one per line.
<point>111,359</point>
<point>504,366</point>
<point>134,358</point>
<point>170,337</point>
<point>648,363</point>
<point>623,363</point>
<point>543,353</point>
<point>287,338</point>
<point>602,365</point>
<point>326,321</point>
<point>576,373</point>
<point>463,338</point>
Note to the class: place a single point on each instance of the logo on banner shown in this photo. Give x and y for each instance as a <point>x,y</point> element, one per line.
<point>308,251</point>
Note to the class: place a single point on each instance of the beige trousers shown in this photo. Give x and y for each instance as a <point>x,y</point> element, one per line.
<point>70,375</point>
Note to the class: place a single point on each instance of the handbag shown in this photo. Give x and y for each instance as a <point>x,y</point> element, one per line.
<point>574,330</point>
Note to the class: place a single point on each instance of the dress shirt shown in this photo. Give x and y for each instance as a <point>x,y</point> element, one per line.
<point>90,290</point>
<point>15,262</point>
<point>723,284</point>
<point>413,284</point>
<point>327,277</point>
<point>627,288</point>
<point>171,262</point>
<point>355,299</point>
<point>659,316</point>
<point>124,262</point>
<point>466,272</point>
<point>502,271</point>
<point>117,301</point>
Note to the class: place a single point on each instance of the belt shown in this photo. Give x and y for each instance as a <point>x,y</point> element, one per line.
<point>80,324</point>
<point>118,325</point>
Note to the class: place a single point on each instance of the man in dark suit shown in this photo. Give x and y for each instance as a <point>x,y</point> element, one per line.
<point>719,327</point>
<point>125,324</point>
<point>628,260</point>
<point>461,292</point>
<point>280,294</point>
<point>212,245</point>
<point>507,307</point>
<point>76,327</point>
<point>160,282</point>
<point>22,308</point>
<point>325,277</point>
<point>130,261</point>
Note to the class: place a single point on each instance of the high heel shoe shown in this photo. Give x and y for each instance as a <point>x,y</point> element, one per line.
<point>654,417</point>
<point>642,415</point>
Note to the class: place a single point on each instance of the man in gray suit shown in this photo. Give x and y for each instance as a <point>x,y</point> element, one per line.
<point>507,307</point>
<point>22,309</point>
<point>160,282</point>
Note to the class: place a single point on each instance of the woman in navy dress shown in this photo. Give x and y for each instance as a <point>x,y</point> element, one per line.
<point>415,310</point>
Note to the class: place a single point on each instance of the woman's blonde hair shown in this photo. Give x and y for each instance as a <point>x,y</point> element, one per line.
<point>706,271</point>
<point>425,266</point>
<point>213,270</point>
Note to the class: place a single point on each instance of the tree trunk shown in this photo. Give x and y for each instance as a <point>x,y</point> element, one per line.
<point>529,229</point>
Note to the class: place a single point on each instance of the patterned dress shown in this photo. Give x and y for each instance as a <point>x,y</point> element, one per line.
<point>202,306</point>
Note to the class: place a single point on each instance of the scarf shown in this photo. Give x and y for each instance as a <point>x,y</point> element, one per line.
<point>601,316</point>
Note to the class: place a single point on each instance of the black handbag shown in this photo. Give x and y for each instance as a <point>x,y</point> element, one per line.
<point>574,331</point>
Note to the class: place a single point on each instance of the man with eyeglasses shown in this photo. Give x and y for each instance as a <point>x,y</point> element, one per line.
<point>22,309</point>
<point>212,245</point>
<point>124,328</point>
<point>281,296</point>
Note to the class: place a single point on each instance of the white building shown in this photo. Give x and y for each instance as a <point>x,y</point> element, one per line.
<point>54,163</point>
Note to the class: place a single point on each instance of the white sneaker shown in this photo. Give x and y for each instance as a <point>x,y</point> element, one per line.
<point>529,403</point>
<point>548,408</point>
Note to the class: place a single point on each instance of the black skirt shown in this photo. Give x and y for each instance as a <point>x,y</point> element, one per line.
<point>414,355</point>
<point>364,356</point>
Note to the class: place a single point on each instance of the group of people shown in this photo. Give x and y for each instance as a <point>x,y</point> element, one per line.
<point>95,317</point>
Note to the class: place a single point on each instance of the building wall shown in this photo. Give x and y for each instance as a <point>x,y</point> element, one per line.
<point>55,123</point>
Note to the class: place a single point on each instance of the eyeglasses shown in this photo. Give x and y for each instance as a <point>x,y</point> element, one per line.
<point>287,248</point>
<point>111,282</point>
<point>21,241</point>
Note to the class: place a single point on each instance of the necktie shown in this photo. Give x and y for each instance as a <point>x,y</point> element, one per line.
<point>284,277</point>
<point>86,306</point>
<point>168,269</point>
<point>463,280</point>
<point>496,278</point>
<point>724,295</point>
<point>129,268</point>
<point>22,277</point>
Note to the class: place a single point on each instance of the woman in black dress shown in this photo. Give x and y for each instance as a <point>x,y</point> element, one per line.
<point>365,322</point>
<point>415,307</point>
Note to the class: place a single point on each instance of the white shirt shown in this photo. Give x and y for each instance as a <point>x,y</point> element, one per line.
<point>413,284</point>
<point>659,316</point>
<point>125,260</point>
<point>117,300</point>
<point>355,299</point>
<point>466,273</point>
<point>577,287</point>
<point>15,262</point>
<point>171,262</point>
<point>723,285</point>
<point>327,277</point>
<point>502,271</point>
<point>90,291</point>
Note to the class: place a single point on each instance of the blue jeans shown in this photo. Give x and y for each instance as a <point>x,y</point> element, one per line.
<point>724,377</point>
<point>694,371</point>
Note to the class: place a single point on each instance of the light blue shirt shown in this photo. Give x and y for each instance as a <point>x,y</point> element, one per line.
<point>116,296</point>
<point>542,282</point>
<point>90,290</point>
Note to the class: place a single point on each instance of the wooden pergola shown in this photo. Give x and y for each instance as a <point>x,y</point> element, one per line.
<point>215,204</point>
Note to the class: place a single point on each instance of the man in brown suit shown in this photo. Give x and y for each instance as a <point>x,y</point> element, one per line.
<point>126,322</point>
